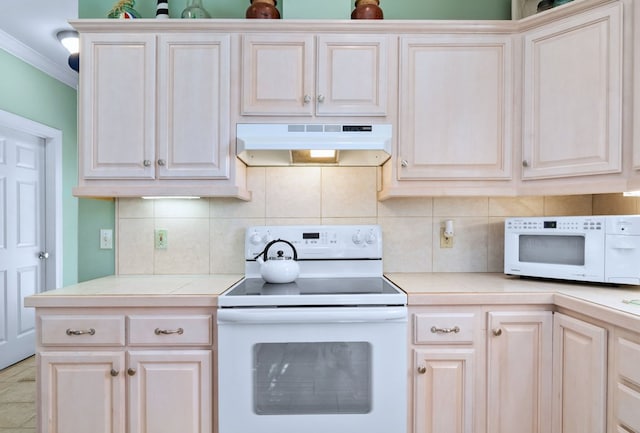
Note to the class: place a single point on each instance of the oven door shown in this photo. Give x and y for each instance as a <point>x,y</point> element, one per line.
<point>558,254</point>
<point>317,370</point>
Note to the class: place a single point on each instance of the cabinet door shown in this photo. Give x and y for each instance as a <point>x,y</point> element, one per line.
<point>117,106</point>
<point>170,391</point>
<point>352,75</point>
<point>455,107</point>
<point>519,372</point>
<point>626,386</point>
<point>572,96</point>
<point>579,376</point>
<point>277,75</point>
<point>82,392</point>
<point>193,105</point>
<point>443,391</point>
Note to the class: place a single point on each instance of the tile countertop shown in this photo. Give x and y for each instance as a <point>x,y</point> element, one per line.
<point>494,288</point>
<point>139,291</point>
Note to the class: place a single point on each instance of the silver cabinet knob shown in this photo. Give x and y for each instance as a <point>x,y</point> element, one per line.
<point>525,163</point>
<point>307,99</point>
<point>404,163</point>
<point>162,162</point>
<point>114,372</point>
<point>422,369</point>
<point>146,163</point>
<point>43,255</point>
<point>131,371</point>
<point>320,98</point>
<point>497,332</point>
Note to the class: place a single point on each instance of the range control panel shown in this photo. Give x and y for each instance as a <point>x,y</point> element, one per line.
<point>317,242</point>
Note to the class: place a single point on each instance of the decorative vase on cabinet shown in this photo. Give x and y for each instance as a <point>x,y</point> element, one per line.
<point>195,9</point>
<point>265,9</point>
<point>367,10</point>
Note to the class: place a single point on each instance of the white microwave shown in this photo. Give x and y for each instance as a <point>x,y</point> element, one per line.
<point>603,249</point>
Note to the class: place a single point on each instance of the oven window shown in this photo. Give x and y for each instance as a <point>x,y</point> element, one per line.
<point>312,378</point>
<point>556,250</point>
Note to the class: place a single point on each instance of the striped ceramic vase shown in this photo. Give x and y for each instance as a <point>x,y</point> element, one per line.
<point>162,10</point>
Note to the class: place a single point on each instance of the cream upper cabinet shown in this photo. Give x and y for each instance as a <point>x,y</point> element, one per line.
<point>154,112</point>
<point>117,106</point>
<point>519,372</point>
<point>307,75</point>
<point>579,376</point>
<point>455,107</point>
<point>193,105</point>
<point>572,96</point>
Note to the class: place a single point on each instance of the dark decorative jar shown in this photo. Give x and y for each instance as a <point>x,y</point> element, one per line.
<point>367,10</point>
<point>264,9</point>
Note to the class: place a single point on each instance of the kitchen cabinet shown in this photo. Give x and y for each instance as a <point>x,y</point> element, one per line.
<point>315,75</point>
<point>446,348</point>
<point>456,117</point>
<point>572,96</point>
<point>635,50</point>
<point>625,378</point>
<point>519,371</point>
<point>579,376</point>
<point>154,115</point>
<point>155,376</point>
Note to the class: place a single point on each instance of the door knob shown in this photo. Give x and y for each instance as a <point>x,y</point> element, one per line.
<point>43,255</point>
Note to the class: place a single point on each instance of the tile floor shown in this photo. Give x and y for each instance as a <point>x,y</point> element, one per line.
<point>17,397</point>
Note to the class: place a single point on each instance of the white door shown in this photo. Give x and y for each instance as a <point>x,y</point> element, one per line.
<point>22,239</point>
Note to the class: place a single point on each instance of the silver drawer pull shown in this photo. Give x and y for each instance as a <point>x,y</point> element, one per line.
<point>178,331</point>
<point>89,331</point>
<point>435,330</point>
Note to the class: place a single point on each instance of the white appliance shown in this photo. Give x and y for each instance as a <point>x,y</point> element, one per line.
<point>283,144</point>
<point>325,353</point>
<point>603,249</point>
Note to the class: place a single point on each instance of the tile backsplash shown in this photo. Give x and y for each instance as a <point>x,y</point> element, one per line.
<point>207,236</point>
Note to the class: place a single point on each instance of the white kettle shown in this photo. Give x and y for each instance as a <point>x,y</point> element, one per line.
<point>279,268</point>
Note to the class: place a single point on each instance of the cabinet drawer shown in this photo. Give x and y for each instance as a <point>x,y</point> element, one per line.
<point>61,330</point>
<point>444,328</point>
<point>183,330</point>
<point>628,360</point>
<point>628,402</point>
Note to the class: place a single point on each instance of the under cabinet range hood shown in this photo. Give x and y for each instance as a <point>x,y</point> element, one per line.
<point>282,144</point>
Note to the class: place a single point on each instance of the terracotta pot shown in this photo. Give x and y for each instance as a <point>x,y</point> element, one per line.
<point>263,9</point>
<point>367,10</point>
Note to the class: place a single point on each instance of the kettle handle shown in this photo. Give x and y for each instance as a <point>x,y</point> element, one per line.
<point>266,249</point>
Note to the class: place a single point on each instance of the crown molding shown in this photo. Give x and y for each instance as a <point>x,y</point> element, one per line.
<point>37,60</point>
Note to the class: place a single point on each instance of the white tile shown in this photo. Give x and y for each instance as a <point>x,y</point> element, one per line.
<point>134,208</point>
<point>135,246</point>
<point>405,207</point>
<point>407,244</point>
<point>187,249</point>
<point>469,252</point>
<point>349,192</point>
<point>234,208</point>
<point>460,206</point>
<point>181,208</point>
<point>516,206</point>
<point>568,205</point>
<point>293,192</point>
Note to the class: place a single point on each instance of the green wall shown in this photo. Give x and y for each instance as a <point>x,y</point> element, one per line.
<point>92,261</point>
<point>32,94</point>
<point>393,9</point>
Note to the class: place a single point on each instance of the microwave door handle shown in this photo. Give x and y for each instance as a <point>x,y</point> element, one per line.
<point>623,246</point>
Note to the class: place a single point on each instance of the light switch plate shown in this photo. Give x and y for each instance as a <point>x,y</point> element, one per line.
<point>161,239</point>
<point>106,239</point>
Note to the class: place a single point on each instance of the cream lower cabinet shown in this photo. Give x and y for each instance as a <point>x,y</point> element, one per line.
<point>315,75</point>
<point>92,379</point>
<point>579,376</point>
<point>446,349</point>
<point>519,371</point>
<point>572,96</point>
<point>625,377</point>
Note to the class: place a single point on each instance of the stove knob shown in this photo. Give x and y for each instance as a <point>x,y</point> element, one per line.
<point>357,238</point>
<point>255,238</point>
<point>371,238</point>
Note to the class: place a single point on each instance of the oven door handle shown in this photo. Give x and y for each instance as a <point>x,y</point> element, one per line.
<point>313,315</point>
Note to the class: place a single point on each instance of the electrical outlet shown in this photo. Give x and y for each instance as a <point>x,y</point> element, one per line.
<point>444,241</point>
<point>106,239</point>
<point>161,241</point>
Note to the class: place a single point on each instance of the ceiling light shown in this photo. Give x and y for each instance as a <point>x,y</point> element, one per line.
<point>314,156</point>
<point>70,40</point>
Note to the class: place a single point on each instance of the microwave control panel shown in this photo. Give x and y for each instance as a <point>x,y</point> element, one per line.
<point>564,224</point>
